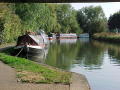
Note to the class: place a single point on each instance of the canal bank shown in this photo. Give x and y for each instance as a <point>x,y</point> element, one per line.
<point>7,45</point>
<point>107,37</point>
<point>11,83</point>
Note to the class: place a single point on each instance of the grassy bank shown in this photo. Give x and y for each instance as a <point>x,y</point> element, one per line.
<point>111,37</point>
<point>29,71</point>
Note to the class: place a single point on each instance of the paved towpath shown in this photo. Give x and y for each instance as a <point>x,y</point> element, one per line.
<point>7,74</point>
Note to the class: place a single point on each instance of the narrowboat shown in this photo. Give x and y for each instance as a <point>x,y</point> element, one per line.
<point>67,36</point>
<point>84,35</point>
<point>32,42</point>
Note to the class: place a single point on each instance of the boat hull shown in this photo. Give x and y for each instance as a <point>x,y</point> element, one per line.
<point>34,50</point>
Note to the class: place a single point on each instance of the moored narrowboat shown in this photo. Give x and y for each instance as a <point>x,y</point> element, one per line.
<point>67,36</point>
<point>32,42</point>
<point>84,35</point>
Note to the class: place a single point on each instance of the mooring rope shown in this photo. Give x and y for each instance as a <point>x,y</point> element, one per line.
<point>19,52</point>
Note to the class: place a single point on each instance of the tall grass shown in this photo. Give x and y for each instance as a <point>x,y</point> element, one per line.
<point>113,37</point>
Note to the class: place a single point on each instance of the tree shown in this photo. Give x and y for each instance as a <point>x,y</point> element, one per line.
<point>52,24</point>
<point>34,16</point>
<point>10,24</point>
<point>92,19</point>
<point>66,17</point>
<point>114,22</point>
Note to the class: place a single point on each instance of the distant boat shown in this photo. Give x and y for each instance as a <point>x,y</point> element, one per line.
<point>67,35</point>
<point>32,42</point>
<point>84,35</point>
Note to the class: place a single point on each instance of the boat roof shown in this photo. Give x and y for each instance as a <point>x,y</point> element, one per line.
<point>68,34</point>
<point>37,38</point>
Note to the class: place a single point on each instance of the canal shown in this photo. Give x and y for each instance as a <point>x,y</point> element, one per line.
<point>98,61</point>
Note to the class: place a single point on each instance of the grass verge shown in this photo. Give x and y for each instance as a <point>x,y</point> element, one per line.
<point>29,71</point>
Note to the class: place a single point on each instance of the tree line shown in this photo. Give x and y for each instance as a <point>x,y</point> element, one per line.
<point>17,18</point>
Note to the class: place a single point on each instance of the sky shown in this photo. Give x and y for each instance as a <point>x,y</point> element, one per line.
<point>109,8</point>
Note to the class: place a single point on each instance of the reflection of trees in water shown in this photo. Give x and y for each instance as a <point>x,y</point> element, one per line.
<point>113,50</point>
<point>114,53</point>
<point>62,55</point>
<point>87,54</point>
<point>90,55</point>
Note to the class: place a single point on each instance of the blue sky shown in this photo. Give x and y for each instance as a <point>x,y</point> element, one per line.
<point>108,7</point>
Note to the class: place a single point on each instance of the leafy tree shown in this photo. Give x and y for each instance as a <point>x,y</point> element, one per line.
<point>66,17</point>
<point>36,16</point>
<point>92,19</point>
<point>52,24</point>
<point>10,24</point>
<point>114,22</point>
<point>33,15</point>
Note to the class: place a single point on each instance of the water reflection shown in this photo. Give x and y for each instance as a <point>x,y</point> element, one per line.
<point>90,55</point>
<point>61,54</point>
<point>114,53</point>
<point>67,41</point>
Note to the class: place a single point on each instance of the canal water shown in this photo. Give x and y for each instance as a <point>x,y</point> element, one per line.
<point>98,61</point>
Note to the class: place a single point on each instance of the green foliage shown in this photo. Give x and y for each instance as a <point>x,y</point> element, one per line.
<point>50,17</point>
<point>66,16</point>
<point>92,19</point>
<point>52,24</point>
<point>34,16</point>
<point>12,28</point>
<point>10,24</point>
<point>48,74</point>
